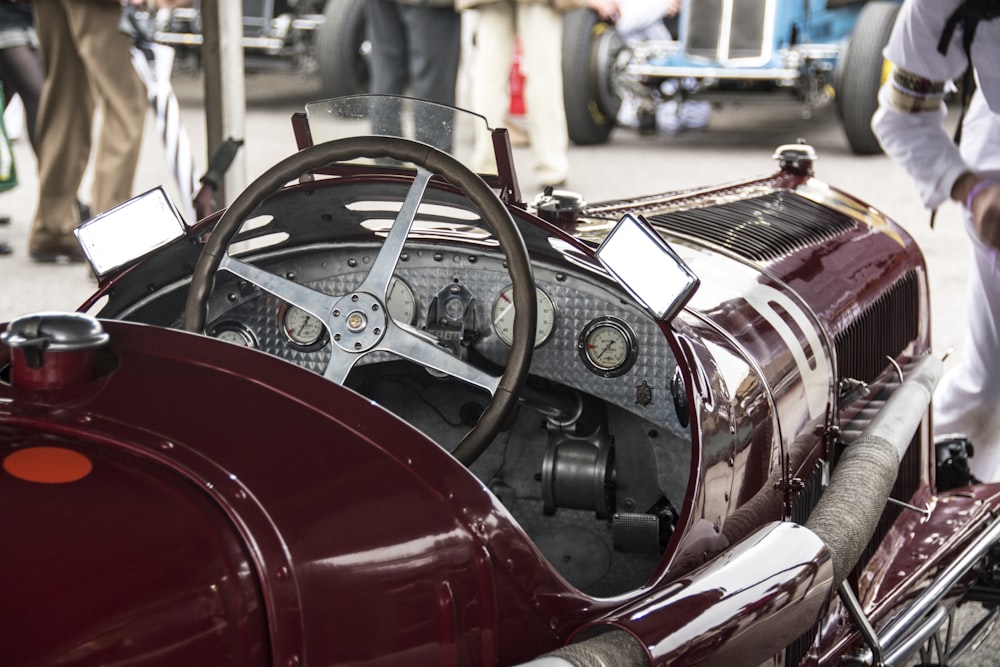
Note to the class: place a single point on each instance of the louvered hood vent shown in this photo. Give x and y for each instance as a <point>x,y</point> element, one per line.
<point>881,332</point>
<point>763,228</point>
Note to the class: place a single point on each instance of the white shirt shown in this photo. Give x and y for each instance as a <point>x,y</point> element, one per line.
<point>918,139</point>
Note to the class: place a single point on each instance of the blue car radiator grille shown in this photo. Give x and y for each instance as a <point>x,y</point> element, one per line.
<point>721,30</point>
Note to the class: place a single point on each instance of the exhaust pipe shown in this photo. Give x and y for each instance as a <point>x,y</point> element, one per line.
<point>849,510</point>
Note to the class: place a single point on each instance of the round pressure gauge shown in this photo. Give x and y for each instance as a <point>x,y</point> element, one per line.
<point>503,315</point>
<point>607,346</point>
<point>234,333</point>
<point>401,302</point>
<point>302,328</point>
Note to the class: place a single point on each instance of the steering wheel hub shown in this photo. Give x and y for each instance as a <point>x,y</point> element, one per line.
<point>357,322</point>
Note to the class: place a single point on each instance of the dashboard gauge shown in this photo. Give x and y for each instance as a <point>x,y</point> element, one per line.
<point>503,315</point>
<point>401,302</point>
<point>608,346</point>
<point>234,333</point>
<point>302,328</point>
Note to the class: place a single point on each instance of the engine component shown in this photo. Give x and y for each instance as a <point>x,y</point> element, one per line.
<point>579,473</point>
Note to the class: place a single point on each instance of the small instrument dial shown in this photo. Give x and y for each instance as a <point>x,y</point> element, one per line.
<point>608,346</point>
<point>301,327</point>
<point>503,315</point>
<point>235,334</point>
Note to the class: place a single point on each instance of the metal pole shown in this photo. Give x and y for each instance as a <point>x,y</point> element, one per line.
<point>225,87</point>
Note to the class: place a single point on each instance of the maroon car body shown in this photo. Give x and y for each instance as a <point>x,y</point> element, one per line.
<point>710,496</point>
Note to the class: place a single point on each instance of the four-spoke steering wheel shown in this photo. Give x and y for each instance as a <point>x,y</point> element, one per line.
<point>359,322</point>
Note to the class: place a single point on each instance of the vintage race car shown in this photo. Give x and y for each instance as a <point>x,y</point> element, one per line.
<point>382,411</point>
<point>304,36</point>
<point>812,52</point>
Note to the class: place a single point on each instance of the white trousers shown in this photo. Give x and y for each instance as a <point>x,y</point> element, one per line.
<point>968,397</point>
<point>540,29</point>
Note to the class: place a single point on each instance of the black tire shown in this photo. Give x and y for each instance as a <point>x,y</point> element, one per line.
<point>862,71</point>
<point>342,49</point>
<point>589,52</point>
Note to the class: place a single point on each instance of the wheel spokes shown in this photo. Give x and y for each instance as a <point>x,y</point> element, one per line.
<point>377,280</point>
<point>411,345</point>
<point>312,301</point>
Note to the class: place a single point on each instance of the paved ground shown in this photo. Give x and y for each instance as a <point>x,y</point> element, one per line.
<point>738,143</point>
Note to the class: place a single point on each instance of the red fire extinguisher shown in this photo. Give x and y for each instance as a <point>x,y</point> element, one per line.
<point>516,82</point>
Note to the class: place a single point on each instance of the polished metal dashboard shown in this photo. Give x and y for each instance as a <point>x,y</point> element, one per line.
<point>589,336</point>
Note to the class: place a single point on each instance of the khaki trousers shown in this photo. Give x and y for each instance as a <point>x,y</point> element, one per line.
<point>540,29</point>
<point>88,67</point>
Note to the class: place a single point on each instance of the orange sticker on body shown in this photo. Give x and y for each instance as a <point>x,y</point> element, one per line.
<point>47,465</point>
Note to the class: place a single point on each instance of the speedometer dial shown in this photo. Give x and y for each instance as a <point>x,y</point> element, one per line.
<point>503,315</point>
<point>401,301</point>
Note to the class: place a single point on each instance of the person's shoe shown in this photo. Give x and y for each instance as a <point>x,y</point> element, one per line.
<point>5,248</point>
<point>4,219</point>
<point>51,248</point>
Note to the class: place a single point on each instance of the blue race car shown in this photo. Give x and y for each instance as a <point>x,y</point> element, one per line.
<point>814,51</point>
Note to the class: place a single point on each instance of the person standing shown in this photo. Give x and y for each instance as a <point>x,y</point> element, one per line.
<point>8,170</point>
<point>415,45</point>
<point>539,25</point>
<point>415,49</point>
<point>933,43</point>
<point>88,67</point>
<point>20,70</point>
